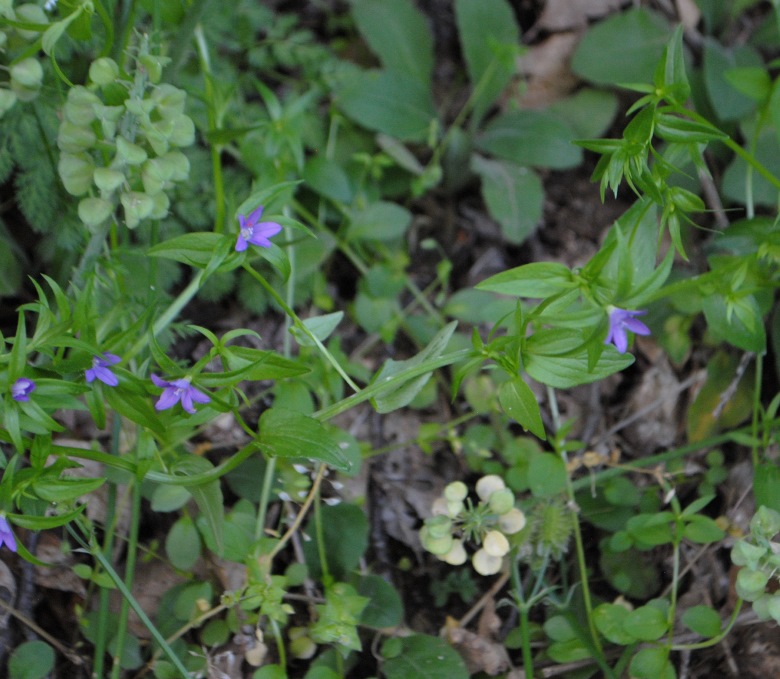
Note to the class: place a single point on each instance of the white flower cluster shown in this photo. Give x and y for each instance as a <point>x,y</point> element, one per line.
<point>457,520</point>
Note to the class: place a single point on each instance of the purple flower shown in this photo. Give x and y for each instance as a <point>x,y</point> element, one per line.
<point>6,536</point>
<point>621,320</point>
<point>21,390</point>
<point>178,390</point>
<point>252,230</point>
<point>101,371</point>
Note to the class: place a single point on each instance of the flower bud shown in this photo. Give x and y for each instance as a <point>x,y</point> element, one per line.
<point>501,501</point>
<point>302,647</point>
<point>456,491</point>
<point>103,71</point>
<point>512,521</point>
<point>485,564</point>
<point>487,485</point>
<point>495,543</point>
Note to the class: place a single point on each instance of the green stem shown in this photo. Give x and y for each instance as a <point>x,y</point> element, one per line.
<point>300,325</point>
<point>164,320</point>
<point>716,639</point>
<point>523,610</point>
<point>215,150</point>
<point>265,496</point>
<point>756,408</point>
<point>132,554</point>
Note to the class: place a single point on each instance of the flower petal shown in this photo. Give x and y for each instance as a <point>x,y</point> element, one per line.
<point>254,216</point>
<point>158,381</point>
<point>186,402</point>
<point>241,243</point>
<point>169,398</point>
<point>105,375</point>
<point>198,396</point>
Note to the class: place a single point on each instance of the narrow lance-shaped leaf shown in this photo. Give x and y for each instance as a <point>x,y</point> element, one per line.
<point>400,395</point>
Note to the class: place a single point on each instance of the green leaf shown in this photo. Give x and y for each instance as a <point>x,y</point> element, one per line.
<point>258,365</point>
<point>682,130</point>
<point>702,530</point>
<point>744,330</point>
<point>652,663</point>
<point>327,178</point>
<point>588,113</point>
<point>197,249</point>
<point>536,280</point>
<point>385,608</point>
<point>489,39</point>
<point>400,395</point>
<point>571,368</point>
<point>182,544</point>
<point>345,538</point>
<point>319,326</point>
<point>670,74</point>
<point>702,620</point>
<point>546,475</point>
<point>398,34</point>
<point>623,48</point>
<point>766,485</point>
<point>31,660</point>
<point>290,434</point>
<point>519,402</point>
<point>726,100</point>
<point>64,489</point>
<point>390,102</point>
<point>646,623</point>
<point>54,32</point>
<point>208,496</point>
<point>425,656</point>
<point>752,81</point>
<point>379,221</point>
<point>513,194</point>
<point>530,138</point>
<point>610,621</point>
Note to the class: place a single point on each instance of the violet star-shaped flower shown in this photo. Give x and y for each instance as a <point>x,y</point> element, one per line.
<point>6,536</point>
<point>101,371</point>
<point>252,230</point>
<point>21,389</point>
<point>620,321</point>
<point>178,390</point>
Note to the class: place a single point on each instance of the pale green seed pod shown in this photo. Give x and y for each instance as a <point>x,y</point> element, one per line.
<point>183,133</point>
<point>7,100</point>
<point>138,206</point>
<point>80,107</point>
<point>28,73</point>
<point>487,485</point>
<point>108,180</point>
<point>302,648</point>
<point>94,211</point>
<point>76,170</point>
<point>495,543</point>
<point>456,491</point>
<point>128,153</point>
<point>485,564</point>
<point>74,138</point>
<point>438,526</point>
<point>169,100</point>
<point>33,14</point>
<point>501,501</point>
<point>161,205</point>
<point>437,546</point>
<point>512,521</point>
<point>457,555</point>
<point>103,71</point>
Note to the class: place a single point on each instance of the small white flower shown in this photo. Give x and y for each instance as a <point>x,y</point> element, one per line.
<point>457,555</point>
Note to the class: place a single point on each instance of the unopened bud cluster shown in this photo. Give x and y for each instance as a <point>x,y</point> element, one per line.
<point>120,139</point>
<point>457,521</point>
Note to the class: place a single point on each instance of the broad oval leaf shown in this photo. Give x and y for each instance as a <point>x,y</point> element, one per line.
<point>290,434</point>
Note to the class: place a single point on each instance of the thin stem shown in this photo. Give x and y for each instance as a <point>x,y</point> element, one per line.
<point>214,124</point>
<point>523,609</point>
<point>716,639</point>
<point>265,496</point>
<point>301,326</point>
